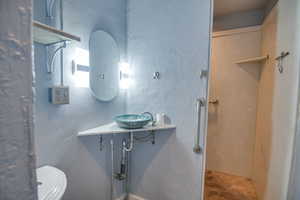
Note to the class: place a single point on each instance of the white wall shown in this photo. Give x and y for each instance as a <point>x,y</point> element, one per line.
<point>285,101</point>
<point>231,126</point>
<point>264,123</point>
<point>294,192</point>
<point>17,158</point>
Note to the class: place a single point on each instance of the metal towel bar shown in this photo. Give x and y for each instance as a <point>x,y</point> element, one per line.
<point>200,103</point>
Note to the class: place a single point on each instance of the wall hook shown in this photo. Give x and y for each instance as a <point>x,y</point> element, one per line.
<point>156,75</point>
<point>279,59</point>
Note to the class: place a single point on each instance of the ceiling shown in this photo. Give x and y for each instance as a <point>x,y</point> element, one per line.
<point>225,7</point>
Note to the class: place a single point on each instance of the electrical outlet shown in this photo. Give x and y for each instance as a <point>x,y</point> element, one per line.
<point>59,95</point>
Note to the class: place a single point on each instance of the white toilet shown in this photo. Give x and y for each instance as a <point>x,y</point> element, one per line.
<point>52,183</point>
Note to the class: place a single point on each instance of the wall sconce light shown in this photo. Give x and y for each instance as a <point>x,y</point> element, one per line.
<point>81,68</point>
<point>125,75</point>
<point>77,67</point>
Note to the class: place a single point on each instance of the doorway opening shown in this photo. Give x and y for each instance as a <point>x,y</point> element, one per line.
<point>242,79</point>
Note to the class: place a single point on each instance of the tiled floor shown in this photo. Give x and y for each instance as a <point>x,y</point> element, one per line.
<point>221,186</point>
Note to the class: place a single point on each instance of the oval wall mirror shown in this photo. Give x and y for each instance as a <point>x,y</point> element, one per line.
<point>104,69</point>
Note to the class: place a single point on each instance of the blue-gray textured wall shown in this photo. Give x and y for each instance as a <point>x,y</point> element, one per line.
<point>87,169</point>
<point>171,37</point>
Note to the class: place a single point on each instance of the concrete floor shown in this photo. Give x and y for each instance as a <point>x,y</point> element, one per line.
<point>221,186</point>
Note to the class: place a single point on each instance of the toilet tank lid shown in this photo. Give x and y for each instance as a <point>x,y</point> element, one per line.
<point>52,183</point>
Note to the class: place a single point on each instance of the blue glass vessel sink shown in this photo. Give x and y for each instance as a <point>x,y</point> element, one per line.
<point>133,121</point>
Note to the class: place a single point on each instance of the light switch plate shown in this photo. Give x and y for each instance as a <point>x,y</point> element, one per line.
<point>59,95</point>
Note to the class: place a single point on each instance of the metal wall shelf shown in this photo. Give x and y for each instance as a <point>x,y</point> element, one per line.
<point>48,35</point>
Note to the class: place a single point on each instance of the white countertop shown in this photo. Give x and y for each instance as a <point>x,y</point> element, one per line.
<point>113,128</point>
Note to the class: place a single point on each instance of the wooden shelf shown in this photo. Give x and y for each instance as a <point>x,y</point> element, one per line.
<point>45,34</point>
<point>113,128</point>
<point>255,59</point>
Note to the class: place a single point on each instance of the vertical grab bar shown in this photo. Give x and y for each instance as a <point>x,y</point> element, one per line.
<point>200,103</point>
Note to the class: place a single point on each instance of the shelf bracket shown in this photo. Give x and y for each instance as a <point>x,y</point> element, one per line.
<point>53,53</point>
